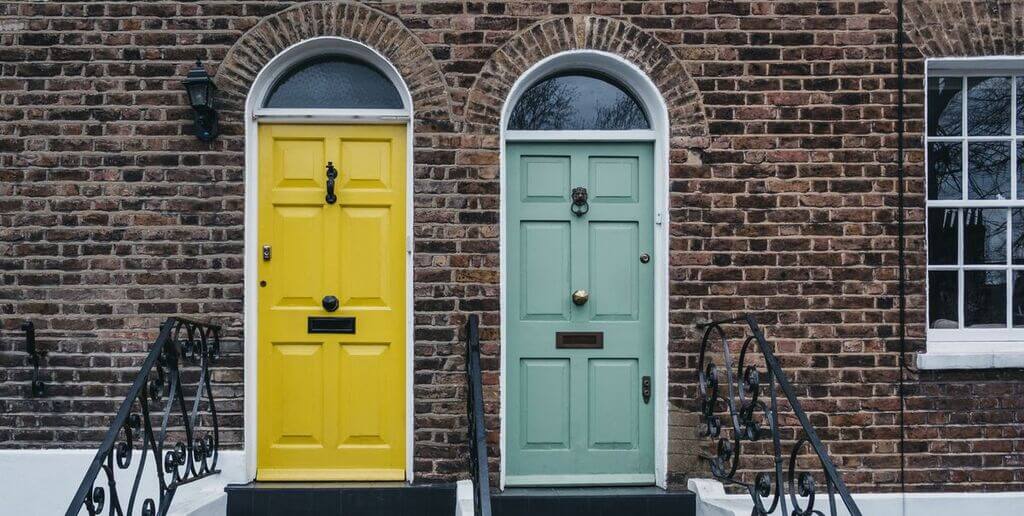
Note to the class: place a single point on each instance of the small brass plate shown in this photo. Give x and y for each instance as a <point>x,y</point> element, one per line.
<point>579,340</point>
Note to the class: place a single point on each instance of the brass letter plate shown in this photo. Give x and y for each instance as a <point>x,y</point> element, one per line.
<point>579,339</point>
<point>331,325</point>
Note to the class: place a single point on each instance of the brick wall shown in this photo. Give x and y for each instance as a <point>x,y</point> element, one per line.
<point>783,184</point>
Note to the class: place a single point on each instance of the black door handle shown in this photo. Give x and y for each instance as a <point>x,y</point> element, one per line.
<point>330,303</point>
<point>332,174</point>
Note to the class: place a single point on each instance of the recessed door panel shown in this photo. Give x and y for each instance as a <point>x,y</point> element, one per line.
<point>580,324</point>
<point>545,178</point>
<point>545,416</point>
<point>614,179</point>
<point>545,270</point>
<point>331,404</point>
<point>614,271</point>
<point>613,403</point>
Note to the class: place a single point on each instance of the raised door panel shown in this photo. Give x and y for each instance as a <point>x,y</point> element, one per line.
<point>364,258</point>
<point>299,239</point>
<point>364,379</point>
<point>297,395</point>
<point>365,164</point>
<point>299,163</point>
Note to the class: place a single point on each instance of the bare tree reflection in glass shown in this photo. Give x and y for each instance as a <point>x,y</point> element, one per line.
<point>577,101</point>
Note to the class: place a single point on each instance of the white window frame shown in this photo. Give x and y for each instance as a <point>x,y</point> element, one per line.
<point>975,348</point>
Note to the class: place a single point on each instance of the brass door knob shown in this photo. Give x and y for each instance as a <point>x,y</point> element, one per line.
<point>580,297</point>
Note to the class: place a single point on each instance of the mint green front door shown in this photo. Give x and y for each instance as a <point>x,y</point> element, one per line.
<point>576,411</point>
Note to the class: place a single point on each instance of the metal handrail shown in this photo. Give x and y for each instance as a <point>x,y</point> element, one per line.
<point>475,412</point>
<point>749,416</point>
<point>155,412</point>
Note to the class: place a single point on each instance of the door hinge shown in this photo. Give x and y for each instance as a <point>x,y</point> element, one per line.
<point>266,253</point>
<point>657,218</point>
<point>645,389</point>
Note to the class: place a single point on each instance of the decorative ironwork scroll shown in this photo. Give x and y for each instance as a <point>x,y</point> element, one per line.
<point>157,431</point>
<point>752,418</point>
<point>475,410</point>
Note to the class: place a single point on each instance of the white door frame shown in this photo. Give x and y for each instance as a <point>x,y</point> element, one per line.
<point>640,85</point>
<point>254,115</point>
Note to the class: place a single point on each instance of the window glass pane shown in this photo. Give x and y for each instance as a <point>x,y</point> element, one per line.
<point>1020,170</point>
<point>577,101</point>
<point>1020,105</point>
<point>334,82</point>
<point>945,105</point>
<point>942,236</point>
<point>984,299</point>
<point>945,170</point>
<point>985,236</point>
<point>988,170</point>
<point>988,106</point>
<point>1018,299</point>
<point>1017,241</point>
<point>942,300</point>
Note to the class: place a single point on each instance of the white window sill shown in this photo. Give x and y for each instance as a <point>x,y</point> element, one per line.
<point>939,360</point>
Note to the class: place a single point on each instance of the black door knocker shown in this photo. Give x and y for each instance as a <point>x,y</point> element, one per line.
<point>332,174</point>
<point>579,201</point>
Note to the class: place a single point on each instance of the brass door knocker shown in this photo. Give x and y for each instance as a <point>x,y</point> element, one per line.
<point>579,201</point>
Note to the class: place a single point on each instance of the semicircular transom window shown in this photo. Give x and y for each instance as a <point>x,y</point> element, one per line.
<point>334,82</point>
<point>577,101</point>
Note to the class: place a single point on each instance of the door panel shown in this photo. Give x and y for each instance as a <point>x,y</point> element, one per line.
<point>545,385</point>
<point>545,270</point>
<point>577,416</point>
<point>331,406</point>
<point>613,409</point>
<point>614,263</point>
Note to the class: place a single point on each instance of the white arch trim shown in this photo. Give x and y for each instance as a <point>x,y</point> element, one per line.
<point>254,115</point>
<point>651,100</point>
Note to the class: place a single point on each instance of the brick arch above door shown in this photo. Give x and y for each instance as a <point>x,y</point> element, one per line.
<point>371,27</point>
<point>687,123</point>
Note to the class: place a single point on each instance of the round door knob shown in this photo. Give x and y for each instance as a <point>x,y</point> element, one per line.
<point>580,297</point>
<point>330,303</point>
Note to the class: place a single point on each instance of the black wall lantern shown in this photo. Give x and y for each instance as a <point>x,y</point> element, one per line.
<point>200,95</point>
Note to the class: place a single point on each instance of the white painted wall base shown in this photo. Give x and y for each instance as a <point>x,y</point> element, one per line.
<point>713,501</point>
<point>42,482</point>
<point>464,498</point>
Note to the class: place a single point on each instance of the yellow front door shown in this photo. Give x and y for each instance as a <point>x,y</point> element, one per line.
<point>331,392</point>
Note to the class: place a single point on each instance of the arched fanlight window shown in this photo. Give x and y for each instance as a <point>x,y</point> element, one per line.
<point>334,82</point>
<point>577,101</point>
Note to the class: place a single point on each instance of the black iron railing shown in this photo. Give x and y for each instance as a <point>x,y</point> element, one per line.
<point>158,425</point>
<point>752,419</point>
<point>475,411</point>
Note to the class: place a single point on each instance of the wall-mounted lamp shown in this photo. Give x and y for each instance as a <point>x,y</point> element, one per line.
<point>200,95</point>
